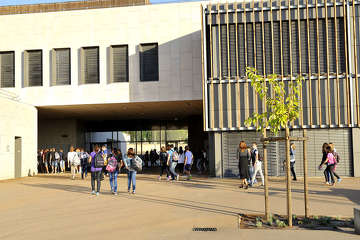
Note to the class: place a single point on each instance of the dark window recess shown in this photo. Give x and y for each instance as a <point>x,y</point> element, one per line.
<point>304,47</point>
<point>91,65</point>
<point>277,48</point>
<point>34,73</point>
<point>241,49</point>
<point>295,54</point>
<point>224,51</point>
<point>63,67</point>
<point>120,64</point>
<point>322,46</point>
<point>286,48</point>
<point>149,62</point>
<point>313,46</point>
<point>7,69</point>
<point>232,46</point>
<point>268,48</point>
<point>259,48</point>
<point>250,45</point>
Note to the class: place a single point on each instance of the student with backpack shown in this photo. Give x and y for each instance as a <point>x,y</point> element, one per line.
<point>113,169</point>
<point>133,164</point>
<point>173,158</point>
<point>84,160</point>
<point>73,161</point>
<point>337,160</point>
<point>62,161</point>
<point>292,161</point>
<point>97,159</point>
<point>256,161</point>
<point>163,163</point>
<point>331,162</point>
<point>188,162</point>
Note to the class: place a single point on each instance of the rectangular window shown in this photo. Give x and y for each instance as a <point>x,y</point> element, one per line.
<point>90,65</point>
<point>119,63</point>
<point>61,67</point>
<point>7,69</point>
<point>149,62</point>
<point>33,68</point>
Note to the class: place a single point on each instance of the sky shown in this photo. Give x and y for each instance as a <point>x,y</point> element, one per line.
<point>19,2</point>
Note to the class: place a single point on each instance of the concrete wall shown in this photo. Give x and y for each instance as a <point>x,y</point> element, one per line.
<point>17,120</point>
<point>175,27</point>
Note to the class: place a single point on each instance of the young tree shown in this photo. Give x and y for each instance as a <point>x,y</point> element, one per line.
<point>281,108</point>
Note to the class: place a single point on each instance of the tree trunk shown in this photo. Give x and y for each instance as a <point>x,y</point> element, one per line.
<point>266,184</point>
<point>288,177</point>
<point>306,197</point>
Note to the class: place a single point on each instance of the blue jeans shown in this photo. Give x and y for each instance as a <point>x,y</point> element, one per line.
<point>113,180</point>
<point>132,178</point>
<point>172,169</point>
<point>84,171</point>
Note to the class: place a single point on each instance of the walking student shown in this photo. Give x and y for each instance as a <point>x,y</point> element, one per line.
<point>189,157</point>
<point>292,161</point>
<point>163,163</point>
<point>84,160</point>
<point>257,164</point>
<point>326,173</point>
<point>131,164</point>
<point>172,161</point>
<point>243,157</point>
<point>97,158</point>
<point>73,161</point>
<point>337,159</point>
<point>330,161</point>
<point>181,163</point>
<point>62,161</point>
<point>113,170</point>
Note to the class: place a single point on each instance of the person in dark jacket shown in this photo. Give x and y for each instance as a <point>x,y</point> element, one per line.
<point>163,163</point>
<point>243,158</point>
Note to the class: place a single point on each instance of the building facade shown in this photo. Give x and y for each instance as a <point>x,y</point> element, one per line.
<point>317,40</point>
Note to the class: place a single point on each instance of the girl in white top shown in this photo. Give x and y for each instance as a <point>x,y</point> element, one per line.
<point>73,161</point>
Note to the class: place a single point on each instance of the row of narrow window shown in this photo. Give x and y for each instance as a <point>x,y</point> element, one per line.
<point>89,69</point>
<point>229,60</point>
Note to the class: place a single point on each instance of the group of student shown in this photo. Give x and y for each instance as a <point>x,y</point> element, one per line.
<point>51,160</point>
<point>250,163</point>
<point>175,162</point>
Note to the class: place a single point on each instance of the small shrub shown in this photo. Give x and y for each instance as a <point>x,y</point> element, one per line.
<point>337,218</point>
<point>294,217</point>
<point>300,222</point>
<point>258,224</point>
<point>280,224</point>
<point>316,217</point>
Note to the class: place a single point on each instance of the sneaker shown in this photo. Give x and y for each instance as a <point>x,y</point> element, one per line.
<point>93,193</point>
<point>327,183</point>
<point>115,193</point>
<point>339,180</point>
<point>159,178</point>
<point>133,192</point>
<point>177,178</point>
<point>128,190</point>
<point>97,193</point>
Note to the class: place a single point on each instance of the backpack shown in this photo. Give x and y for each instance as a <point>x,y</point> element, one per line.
<point>75,160</point>
<point>175,156</point>
<point>99,160</point>
<point>331,159</point>
<point>57,156</point>
<point>136,163</point>
<point>112,164</point>
<point>253,156</point>
<point>337,157</point>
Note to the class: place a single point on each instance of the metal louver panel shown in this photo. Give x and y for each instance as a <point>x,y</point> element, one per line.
<point>286,47</point>
<point>232,46</point>
<point>241,49</point>
<point>250,45</point>
<point>295,48</point>
<point>259,48</point>
<point>149,62</point>
<point>7,69</point>
<point>277,47</point>
<point>322,46</point>
<point>341,45</point>
<point>224,52</point>
<point>268,48</point>
<point>34,74</point>
<point>332,45</point>
<point>63,70</point>
<point>313,46</point>
<point>120,63</point>
<point>91,65</point>
<point>304,47</point>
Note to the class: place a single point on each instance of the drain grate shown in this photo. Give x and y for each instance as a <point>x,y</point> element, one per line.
<point>206,229</point>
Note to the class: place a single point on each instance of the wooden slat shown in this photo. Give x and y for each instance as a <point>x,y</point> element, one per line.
<point>328,107</point>
<point>263,52</point>
<point>281,44</point>
<point>238,106</point>
<point>290,46</point>
<point>205,117</point>
<point>229,108</point>
<point>318,63</point>
<point>346,64</point>
<point>355,65</point>
<point>272,37</point>
<point>212,97</point>
<point>301,116</point>
<point>221,111</point>
<point>309,61</point>
<point>246,85</point>
<point>338,109</point>
<point>255,97</point>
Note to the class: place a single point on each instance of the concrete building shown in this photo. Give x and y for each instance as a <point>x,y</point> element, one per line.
<point>18,137</point>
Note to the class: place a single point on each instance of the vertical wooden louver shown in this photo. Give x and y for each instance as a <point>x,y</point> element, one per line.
<point>90,65</point>
<point>33,68</point>
<point>61,67</point>
<point>149,62</point>
<point>7,69</point>
<point>119,63</point>
<point>286,38</point>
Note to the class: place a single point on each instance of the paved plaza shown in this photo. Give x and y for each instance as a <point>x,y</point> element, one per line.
<point>55,207</point>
